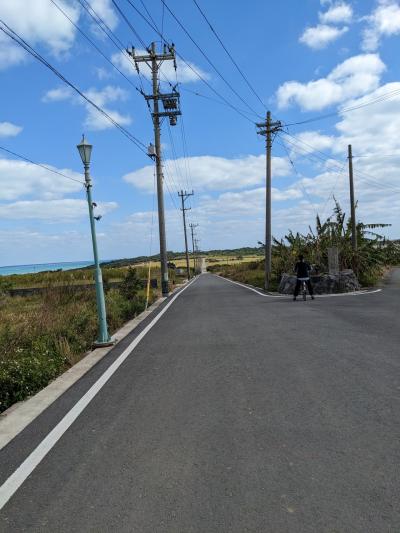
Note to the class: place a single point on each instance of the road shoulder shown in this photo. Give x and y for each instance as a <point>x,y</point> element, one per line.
<point>20,415</point>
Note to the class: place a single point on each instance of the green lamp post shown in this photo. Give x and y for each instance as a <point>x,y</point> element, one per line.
<point>104,339</point>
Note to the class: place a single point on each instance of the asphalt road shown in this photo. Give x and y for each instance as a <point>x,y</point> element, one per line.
<point>236,413</point>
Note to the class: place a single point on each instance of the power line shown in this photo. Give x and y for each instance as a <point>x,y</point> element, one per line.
<point>209,60</point>
<point>110,34</point>
<point>338,172</point>
<point>40,165</point>
<point>28,48</point>
<point>378,99</point>
<point>298,175</point>
<point>129,24</point>
<point>101,24</point>
<point>362,174</point>
<point>228,53</point>
<point>178,170</point>
<point>188,64</point>
<point>92,43</point>
<point>196,93</point>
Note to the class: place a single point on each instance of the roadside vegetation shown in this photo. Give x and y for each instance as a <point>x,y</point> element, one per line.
<point>43,335</point>
<point>374,255</point>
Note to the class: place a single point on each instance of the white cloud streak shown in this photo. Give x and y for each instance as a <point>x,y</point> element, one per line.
<point>19,179</point>
<point>65,210</point>
<point>7,129</point>
<point>210,173</point>
<point>354,77</point>
<point>384,21</point>
<point>318,37</point>
<point>34,25</point>
<point>94,120</point>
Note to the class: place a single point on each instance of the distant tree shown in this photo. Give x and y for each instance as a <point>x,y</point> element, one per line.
<point>130,285</point>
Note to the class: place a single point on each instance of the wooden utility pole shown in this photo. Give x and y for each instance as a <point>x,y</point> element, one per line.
<point>267,128</point>
<point>352,202</point>
<point>170,104</point>
<point>184,196</point>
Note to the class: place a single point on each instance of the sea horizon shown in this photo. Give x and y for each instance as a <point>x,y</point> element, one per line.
<point>33,268</point>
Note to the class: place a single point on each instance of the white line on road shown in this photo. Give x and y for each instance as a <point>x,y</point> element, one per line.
<point>11,485</point>
<point>355,293</point>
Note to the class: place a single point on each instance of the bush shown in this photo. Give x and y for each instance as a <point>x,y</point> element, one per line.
<point>27,374</point>
<point>131,284</point>
<point>42,335</point>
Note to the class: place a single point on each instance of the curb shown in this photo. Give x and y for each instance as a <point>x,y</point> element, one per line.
<point>21,414</point>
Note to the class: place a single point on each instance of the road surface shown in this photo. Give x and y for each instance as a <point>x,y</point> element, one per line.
<point>236,413</point>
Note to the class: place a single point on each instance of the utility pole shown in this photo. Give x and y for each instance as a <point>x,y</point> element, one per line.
<point>267,128</point>
<point>184,196</point>
<point>352,202</point>
<point>192,228</point>
<point>170,104</point>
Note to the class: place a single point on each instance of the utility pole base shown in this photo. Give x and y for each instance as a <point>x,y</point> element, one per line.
<point>165,288</point>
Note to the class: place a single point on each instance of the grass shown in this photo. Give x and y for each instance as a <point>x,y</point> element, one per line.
<point>43,335</point>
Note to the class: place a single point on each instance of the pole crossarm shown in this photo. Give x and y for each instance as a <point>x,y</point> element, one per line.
<point>170,101</point>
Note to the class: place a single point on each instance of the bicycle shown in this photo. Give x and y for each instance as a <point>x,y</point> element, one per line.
<point>304,290</point>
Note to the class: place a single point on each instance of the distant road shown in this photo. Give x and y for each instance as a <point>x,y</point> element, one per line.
<point>236,413</point>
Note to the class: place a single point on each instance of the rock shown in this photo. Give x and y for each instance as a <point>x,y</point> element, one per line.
<point>345,281</point>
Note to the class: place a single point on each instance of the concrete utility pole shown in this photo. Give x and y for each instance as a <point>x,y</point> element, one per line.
<point>352,202</point>
<point>267,128</point>
<point>192,228</point>
<point>170,104</point>
<point>184,196</point>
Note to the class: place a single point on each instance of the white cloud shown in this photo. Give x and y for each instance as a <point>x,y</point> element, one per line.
<point>184,72</point>
<point>376,175</point>
<point>20,179</point>
<point>312,141</point>
<point>9,130</point>
<point>104,10</point>
<point>327,31</point>
<point>384,21</point>
<point>337,13</point>
<point>58,95</point>
<point>65,210</point>
<point>245,203</point>
<point>354,77</point>
<point>94,119</point>
<point>42,23</point>
<point>320,36</point>
<point>212,173</point>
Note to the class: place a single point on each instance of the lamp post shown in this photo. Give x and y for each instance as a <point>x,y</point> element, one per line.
<point>104,339</point>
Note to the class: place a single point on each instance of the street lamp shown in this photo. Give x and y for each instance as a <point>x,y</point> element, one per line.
<point>104,339</point>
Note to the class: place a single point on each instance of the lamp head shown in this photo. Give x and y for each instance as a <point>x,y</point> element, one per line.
<point>85,151</point>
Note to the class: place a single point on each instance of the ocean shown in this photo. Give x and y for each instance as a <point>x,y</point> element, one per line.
<point>30,269</point>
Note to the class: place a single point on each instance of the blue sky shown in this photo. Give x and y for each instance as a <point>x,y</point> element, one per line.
<point>305,59</point>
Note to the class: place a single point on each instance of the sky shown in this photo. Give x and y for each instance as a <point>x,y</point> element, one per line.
<point>328,69</point>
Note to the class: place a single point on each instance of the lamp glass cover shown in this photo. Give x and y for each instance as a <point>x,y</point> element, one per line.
<point>85,151</point>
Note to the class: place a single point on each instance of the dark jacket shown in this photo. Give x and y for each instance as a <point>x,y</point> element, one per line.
<point>302,269</point>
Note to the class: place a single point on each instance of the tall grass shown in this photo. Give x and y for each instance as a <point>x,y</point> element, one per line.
<point>42,335</point>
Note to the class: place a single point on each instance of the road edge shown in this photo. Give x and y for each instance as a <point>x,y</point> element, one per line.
<point>17,417</point>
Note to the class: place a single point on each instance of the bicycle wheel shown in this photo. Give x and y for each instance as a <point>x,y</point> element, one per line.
<point>304,292</point>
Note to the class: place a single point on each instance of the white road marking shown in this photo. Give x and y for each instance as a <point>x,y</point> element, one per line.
<point>288,296</point>
<point>11,485</point>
